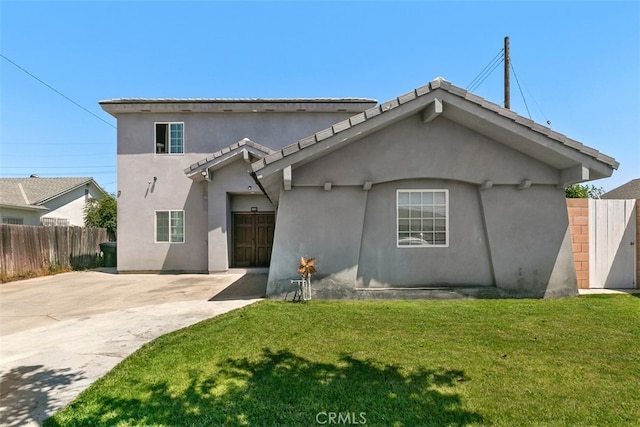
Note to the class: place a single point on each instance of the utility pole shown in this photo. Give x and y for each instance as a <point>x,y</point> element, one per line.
<point>507,66</point>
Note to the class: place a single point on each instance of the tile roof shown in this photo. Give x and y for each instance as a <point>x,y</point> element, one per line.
<point>235,146</point>
<point>437,84</point>
<point>33,191</point>
<point>630,190</point>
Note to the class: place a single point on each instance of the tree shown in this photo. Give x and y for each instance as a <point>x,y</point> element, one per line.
<point>102,213</point>
<point>577,191</point>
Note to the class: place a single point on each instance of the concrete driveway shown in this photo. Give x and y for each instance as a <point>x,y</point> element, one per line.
<point>59,334</point>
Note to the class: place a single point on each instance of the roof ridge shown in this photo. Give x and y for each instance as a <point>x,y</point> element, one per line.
<point>442,84</point>
<point>24,195</point>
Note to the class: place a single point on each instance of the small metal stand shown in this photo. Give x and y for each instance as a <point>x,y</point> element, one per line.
<point>303,290</point>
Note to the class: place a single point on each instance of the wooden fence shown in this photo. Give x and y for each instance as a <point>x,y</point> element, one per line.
<point>605,236</point>
<point>32,250</point>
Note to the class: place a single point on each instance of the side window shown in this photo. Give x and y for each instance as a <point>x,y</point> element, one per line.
<point>169,138</point>
<point>170,226</point>
<point>12,220</point>
<point>422,218</point>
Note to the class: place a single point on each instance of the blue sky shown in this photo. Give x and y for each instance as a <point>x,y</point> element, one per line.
<point>578,65</point>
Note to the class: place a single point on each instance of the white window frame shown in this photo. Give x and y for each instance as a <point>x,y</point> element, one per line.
<point>446,214</point>
<point>155,226</point>
<point>54,222</point>
<point>13,220</point>
<point>168,140</point>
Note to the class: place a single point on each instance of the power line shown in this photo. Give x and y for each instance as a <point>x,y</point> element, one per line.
<point>53,174</point>
<point>486,71</point>
<point>483,70</point>
<point>519,88</point>
<point>497,64</point>
<point>58,92</point>
<point>57,167</point>
<point>535,102</point>
<point>31,156</point>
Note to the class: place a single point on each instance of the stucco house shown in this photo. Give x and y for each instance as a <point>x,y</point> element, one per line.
<point>186,199</point>
<point>46,201</point>
<point>435,193</point>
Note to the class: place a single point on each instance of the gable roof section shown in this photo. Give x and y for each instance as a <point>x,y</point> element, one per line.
<point>34,192</point>
<point>630,190</point>
<point>577,161</point>
<point>245,148</point>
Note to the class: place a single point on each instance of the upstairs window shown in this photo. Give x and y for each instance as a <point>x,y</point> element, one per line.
<point>169,138</point>
<point>423,218</point>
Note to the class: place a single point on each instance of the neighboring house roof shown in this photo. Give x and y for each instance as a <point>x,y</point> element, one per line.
<point>34,192</point>
<point>235,105</point>
<point>245,148</point>
<point>578,162</point>
<point>630,190</point>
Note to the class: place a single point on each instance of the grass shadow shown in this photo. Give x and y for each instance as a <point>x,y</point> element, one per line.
<point>26,393</point>
<point>281,388</point>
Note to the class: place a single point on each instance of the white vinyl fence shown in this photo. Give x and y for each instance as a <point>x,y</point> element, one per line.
<point>612,244</point>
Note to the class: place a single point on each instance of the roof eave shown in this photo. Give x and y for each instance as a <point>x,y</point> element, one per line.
<point>470,108</point>
<point>68,190</point>
<point>245,147</point>
<point>24,207</point>
<point>301,105</point>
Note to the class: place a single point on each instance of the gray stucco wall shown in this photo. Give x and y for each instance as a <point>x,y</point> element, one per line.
<point>464,262</point>
<point>530,242</point>
<point>506,241</point>
<point>140,196</point>
<point>206,206</point>
<point>411,149</point>
<point>326,225</point>
<point>229,192</point>
<point>207,133</point>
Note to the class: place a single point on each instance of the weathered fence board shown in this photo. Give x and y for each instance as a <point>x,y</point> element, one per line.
<point>28,250</point>
<point>612,234</point>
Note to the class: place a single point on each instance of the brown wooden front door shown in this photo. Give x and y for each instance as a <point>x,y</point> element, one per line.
<point>253,238</point>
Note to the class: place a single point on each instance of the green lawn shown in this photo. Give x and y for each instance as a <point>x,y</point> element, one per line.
<point>573,361</point>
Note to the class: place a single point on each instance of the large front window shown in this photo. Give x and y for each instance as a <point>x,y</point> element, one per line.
<point>422,218</point>
<point>170,226</point>
<point>169,138</point>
